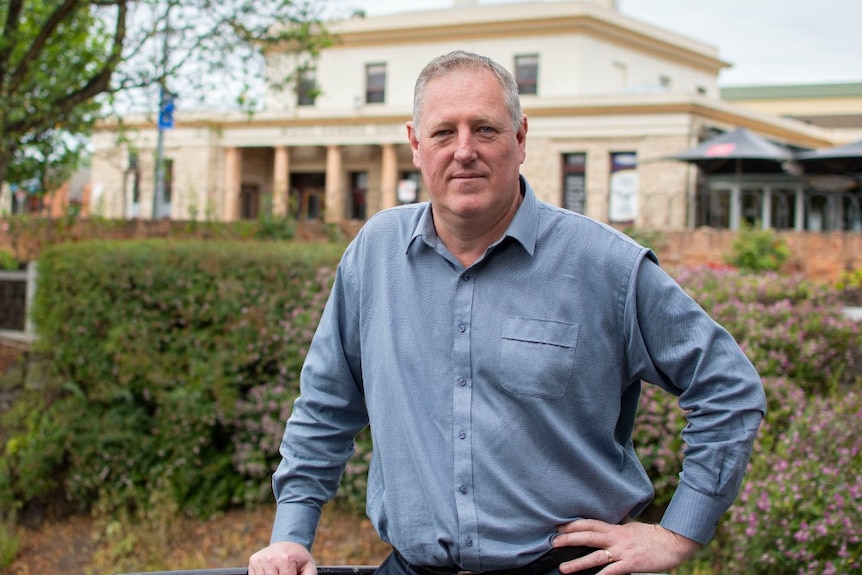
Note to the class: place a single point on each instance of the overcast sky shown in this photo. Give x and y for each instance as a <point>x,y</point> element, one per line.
<point>767,41</point>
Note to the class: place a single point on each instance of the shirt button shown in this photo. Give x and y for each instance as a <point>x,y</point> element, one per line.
<point>468,541</point>
<point>463,489</point>
<point>462,328</point>
<point>462,382</point>
<point>462,434</point>
<point>466,277</point>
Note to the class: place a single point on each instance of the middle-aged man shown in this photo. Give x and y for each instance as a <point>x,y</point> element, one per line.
<point>496,345</point>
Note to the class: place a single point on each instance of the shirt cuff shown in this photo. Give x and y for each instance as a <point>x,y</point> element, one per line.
<point>693,514</point>
<point>296,523</point>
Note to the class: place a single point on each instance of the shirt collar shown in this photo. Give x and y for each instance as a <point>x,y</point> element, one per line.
<point>523,228</point>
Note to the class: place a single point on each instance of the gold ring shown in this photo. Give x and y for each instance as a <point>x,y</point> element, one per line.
<point>610,557</point>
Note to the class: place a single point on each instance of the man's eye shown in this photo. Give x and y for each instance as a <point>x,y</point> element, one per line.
<point>487,130</point>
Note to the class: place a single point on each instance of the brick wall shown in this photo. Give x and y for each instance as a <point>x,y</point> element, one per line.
<point>819,256</point>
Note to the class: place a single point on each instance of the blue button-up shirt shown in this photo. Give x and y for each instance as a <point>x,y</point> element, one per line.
<point>502,397</point>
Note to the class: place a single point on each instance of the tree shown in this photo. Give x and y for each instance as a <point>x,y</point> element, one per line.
<point>64,64</point>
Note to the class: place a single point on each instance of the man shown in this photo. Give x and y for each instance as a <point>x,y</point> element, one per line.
<point>496,345</point>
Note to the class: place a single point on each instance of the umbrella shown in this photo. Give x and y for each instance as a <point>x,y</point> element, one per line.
<point>737,152</point>
<point>841,159</point>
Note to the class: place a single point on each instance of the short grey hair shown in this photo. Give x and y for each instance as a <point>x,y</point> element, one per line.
<point>460,60</point>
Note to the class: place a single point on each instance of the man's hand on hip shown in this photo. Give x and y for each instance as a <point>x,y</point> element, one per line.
<point>628,548</point>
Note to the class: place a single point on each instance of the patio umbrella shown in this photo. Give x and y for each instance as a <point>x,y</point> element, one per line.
<point>839,159</point>
<point>737,152</point>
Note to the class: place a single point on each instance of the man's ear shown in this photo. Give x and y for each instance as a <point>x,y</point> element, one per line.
<point>412,137</point>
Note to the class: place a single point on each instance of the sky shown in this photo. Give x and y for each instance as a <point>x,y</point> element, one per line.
<point>766,41</point>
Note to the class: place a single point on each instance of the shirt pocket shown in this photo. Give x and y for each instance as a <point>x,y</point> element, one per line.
<point>537,356</point>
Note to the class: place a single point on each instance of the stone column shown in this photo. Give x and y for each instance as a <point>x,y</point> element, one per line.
<point>281,181</point>
<point>799,216</point>
<point>735,207</point>
<point>232,183</point>
<point>336,201</point>
<point>389,177</point>
<point>766,208</point>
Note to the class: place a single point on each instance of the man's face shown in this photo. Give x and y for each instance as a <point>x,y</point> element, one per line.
<point>467,150</point>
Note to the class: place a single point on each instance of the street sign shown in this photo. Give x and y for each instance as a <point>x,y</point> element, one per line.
<point>166,111</point>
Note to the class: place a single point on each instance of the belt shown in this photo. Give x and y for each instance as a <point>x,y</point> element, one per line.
<point>550,560</point>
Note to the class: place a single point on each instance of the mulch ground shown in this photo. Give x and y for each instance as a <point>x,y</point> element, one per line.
<point>73,546</point>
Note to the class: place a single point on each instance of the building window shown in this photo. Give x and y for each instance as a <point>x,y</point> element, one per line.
<point>306,88</point>
<point>375,83</point>
<point>527,74</point>
<point>624,188</point>
<point>575,182</point>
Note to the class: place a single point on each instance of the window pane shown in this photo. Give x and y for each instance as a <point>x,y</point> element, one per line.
<point>307,88</point>
<point>375,83</point>
<point>575,182</point>
<point>527,74</point>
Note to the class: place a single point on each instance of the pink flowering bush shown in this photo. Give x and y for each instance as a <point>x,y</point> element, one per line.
<point>788,326</point>
<point>800,510</point>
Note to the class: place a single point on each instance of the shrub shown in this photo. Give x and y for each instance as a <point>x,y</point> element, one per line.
<point>658,440</point>
<point>758,250</point>
<point>849,287</point>
<point>794,333</point>
<point>154,351</point>
<point>7,261</point>
<point>788,326</point>
<point>800,510</point>
<point>10,542</point>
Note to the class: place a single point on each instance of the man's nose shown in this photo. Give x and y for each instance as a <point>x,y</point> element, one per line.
<point>466,150</point>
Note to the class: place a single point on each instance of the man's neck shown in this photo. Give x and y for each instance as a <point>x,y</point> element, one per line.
<point>468,239</point>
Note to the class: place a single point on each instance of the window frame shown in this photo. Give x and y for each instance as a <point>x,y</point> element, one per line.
<point>306,88</point>
<point>527,74</point>
<point>375,83</point>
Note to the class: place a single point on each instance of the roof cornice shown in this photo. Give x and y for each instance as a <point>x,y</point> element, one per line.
<point>525,19</point>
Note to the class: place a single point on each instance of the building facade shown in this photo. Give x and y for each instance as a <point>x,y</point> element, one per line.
<point>609,100</point>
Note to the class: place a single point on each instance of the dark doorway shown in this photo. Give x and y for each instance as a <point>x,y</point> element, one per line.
<point>307,195</point>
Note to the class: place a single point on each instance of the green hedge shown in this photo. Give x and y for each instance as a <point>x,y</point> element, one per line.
<point>169,367</point>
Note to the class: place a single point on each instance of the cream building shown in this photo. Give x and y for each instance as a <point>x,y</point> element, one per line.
<point>609,100</point>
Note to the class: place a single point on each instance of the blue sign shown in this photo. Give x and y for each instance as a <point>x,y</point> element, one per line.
<point>166,111</point>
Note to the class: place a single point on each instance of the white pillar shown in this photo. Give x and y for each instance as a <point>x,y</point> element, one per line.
<point>336,202</point>
<point>281,181</point>
<point>389,177</point>
<point>232,183</point>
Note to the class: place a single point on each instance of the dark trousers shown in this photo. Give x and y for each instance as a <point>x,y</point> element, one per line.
<point>396,565</point>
